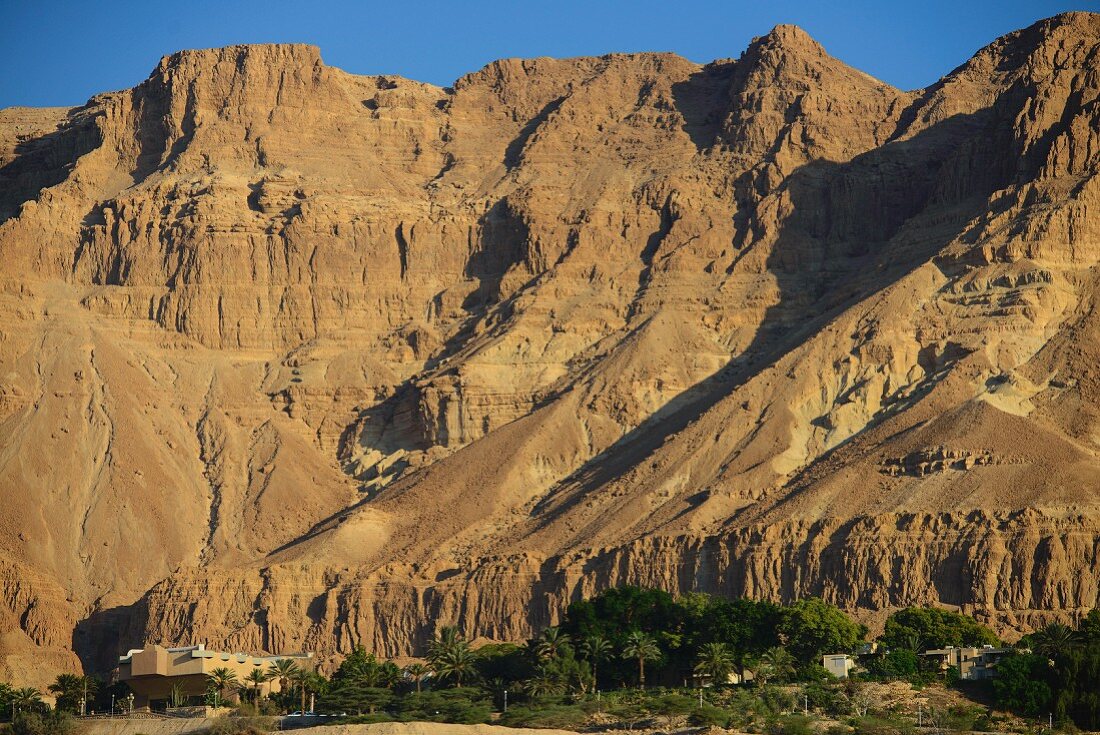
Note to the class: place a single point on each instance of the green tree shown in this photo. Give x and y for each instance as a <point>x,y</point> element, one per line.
<point>5,699</point>
<point>924,628</point>
<point>451,657</point>
<point>899,663</point>
<point>313,683</point>
<point>1089,629</point>
<point>349,697</point>
<point>284,670</point>
<point>1054,640</point>
<point>571,673</point>
<point>1076,684</point>
<point>1020,684</point>
<point>812,627</point>
<point>221,679</point>
<point>255,679</point>
<point>366,670</point>
<point>300,678</point>
<point>748,627</point>
<point>596,648</point>
<point>715,662</point>
<point>542,685</point>
<point>416,673</point>
<point>641,647</point>
<point>25,699</point>
<point>551,642</point>
<point>617,612</point>
<point>70,690</point>
<point>505,661</point>
<point>774,664</point>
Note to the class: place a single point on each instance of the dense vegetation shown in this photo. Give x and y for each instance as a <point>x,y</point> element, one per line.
<point>633,655</point>
<point>1057,671</point>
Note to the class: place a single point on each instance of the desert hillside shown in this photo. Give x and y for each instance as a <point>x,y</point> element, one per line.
<point>296,359</point>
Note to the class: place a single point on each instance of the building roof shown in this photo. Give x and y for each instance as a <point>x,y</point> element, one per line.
<point>200,651</point>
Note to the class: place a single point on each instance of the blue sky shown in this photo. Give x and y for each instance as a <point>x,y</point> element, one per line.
<point>60,53</point>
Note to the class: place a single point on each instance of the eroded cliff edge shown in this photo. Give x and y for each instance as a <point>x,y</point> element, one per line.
<point>296,358</point>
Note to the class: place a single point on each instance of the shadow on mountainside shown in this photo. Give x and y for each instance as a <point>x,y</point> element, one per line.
<point>837,248</point>
<point>99,639</point>
<point>46,161</point>
<point>703,99</point>
<point>502,244</point>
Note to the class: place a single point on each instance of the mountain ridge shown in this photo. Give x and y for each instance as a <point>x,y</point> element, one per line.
<point>299,359</point>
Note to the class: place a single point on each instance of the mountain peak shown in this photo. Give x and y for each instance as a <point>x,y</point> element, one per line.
<point>788,36</point>
<point>258,55</point>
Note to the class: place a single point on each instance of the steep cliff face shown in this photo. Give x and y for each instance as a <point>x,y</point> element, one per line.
<point>295,358</point>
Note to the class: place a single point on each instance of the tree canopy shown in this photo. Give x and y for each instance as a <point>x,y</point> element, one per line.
<point>923,628</point>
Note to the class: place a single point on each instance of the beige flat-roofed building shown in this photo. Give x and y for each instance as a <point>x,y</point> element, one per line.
<point>151,672</point>
<point>972,663</point>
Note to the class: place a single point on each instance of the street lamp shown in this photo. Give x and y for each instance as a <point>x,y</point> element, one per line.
<point>505,700</point>
<point>130,703</point>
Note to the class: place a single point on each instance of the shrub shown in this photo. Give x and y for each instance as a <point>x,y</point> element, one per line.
<point>878,725</point>
<point>958,718</point>
<point>241,726</point>
<point>557,716</point>
<point>827,699</point>
<point>791,725</point>
<point>464,706</point>
<point>672,704</point>
<point>709,716</point>
<point>773,700</point>
<point>56,722</point>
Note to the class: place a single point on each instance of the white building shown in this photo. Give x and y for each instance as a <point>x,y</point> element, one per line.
<point>838,664</point>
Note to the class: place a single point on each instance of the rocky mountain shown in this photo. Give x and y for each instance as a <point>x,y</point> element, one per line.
<point>292,358</point>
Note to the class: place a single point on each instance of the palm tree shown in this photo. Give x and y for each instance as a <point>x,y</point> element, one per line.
<point>642,648</point>
<point>1054,640</point>
<point>595,648</point>
<point>220,679</point>
<point>542,685</point>
<point>417,672</point>
<point>71,689</point>
<point>551,642</point>
<point>448,636</point>
<point>715,661</point>
<point>283,670</point>
<point>309,681</point>
<point>450,656</point>
<point>300,679</point>
<point>776,663</point>
<point>911,642</point>
<point>25,698</point>
<point>256,678</point>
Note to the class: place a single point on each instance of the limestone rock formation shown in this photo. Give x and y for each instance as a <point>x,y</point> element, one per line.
<point>292,358</point>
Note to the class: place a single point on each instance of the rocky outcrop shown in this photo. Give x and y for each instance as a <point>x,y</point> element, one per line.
<point>293,358</point>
